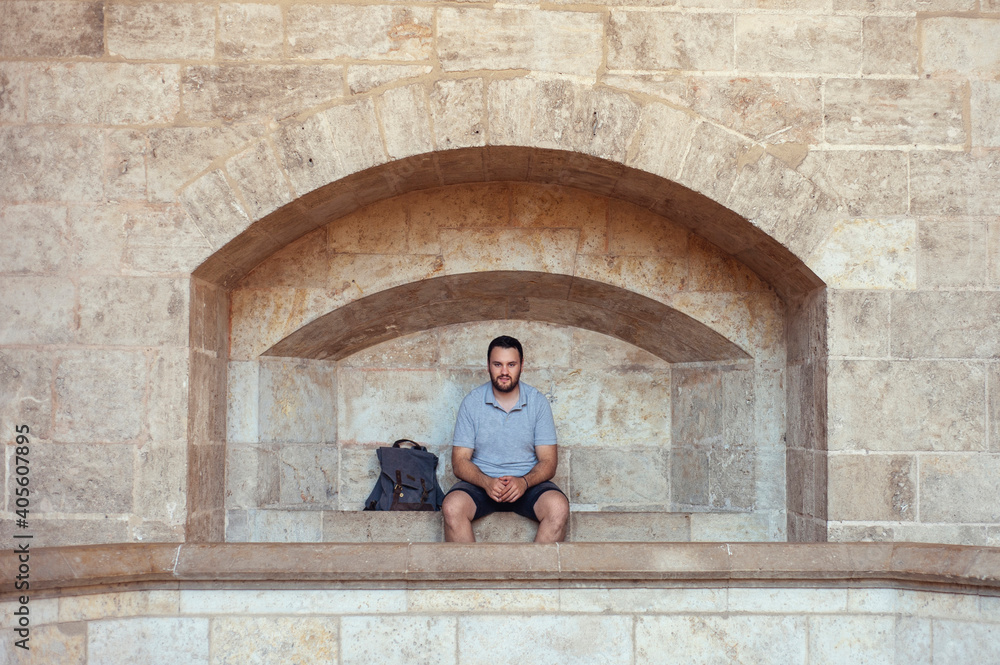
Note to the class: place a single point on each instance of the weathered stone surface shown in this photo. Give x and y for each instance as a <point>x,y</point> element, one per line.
<point>125,164</point>
<point>359,470</point>
<point>51,164</point>
<point>874,488</point>
<point>308,476</point>
<point>641,40</point>
<point>961,640</point>
<point>293,601</point>
<point>215,208</point>
<point>960,488</point>
<point>985,113</point>
<point>661,140</point>
<point>250,32</point>
<point>952,254</point>
<point>260,180</point>
<point>405,115</point>
<point>168,394</point>
<point>350,525</point>
<point>360,32</point>
<point>628,527</point>
<point>555,207</point>
<point>510,103</point>
<point>713,161</point>
<point>234,93</point>
<point>395,640</point>
<point>156,641</point>
<point>64,643</point>
<point>890,45</point>
<point>83,478</point>
<point>13,90</point>
<point>865,182</point>
<point>36,310</point>
<point>693,639</point>
<point>622,476</point>
<point>298,402</point>
<point>39,241</point>
<point>458,112</point>
<point>953,45</point>
<point>104,93</point>
<point>160,487</point>
<point>160,31</point>
<point>590,639</point>
<point>971,328</point>
<point>242,640</point>
<point>163,240</point>
<point>795,43</point>
<point>858,323</point>
<point>869,254</point>
<point>99,396</point>
<point>285,526</point>
<point>904,406</point>
<point>895,112</point>
<point>953,183</point>
<point>135,311</point>
<point>362,78</point>
<point>97,236</point>
<point>464,345</point>
<point>177,154</point>
<point>242,419</point>
<point>481,600</point>
<point>52,29</point>
<point>547,41</point>
<point>551,250</point>
<point>839,639</point>
<point>26,391</point>
<point>993,406</point>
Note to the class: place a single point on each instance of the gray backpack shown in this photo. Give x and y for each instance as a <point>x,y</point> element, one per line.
<point>407,481</point>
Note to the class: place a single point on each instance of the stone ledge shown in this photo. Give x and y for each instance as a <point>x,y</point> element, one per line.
<point>63,571</point>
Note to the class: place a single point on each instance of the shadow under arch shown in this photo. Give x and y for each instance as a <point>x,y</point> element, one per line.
<point>801,290</point>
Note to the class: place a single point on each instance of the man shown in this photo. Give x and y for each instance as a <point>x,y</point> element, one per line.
<point>504,453</point>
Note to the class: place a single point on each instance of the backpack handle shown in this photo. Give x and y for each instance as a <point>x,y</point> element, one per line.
<point>416,446</point>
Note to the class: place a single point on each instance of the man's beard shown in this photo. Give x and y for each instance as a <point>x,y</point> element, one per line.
<point>510,387</point>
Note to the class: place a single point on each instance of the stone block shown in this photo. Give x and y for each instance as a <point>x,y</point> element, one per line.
<point>788,601</point>
<point>161,31</point>
<point>599,123</point>
<point>985,114</point>
<point>661,140</point>
<point>873,488</point>
<point>652,41</point>
<point>591,350</point>
<point>178,154</point>
<point>946,324</point>
<point>285,526</point>
<point>240,93</point>
<point>622,477</point>
<point>418,350</point>
<point>713,161</point>
<point>13,90</point>
<point>359,470</point>
<point>646,601</point>
<point>308,476</point>
<point>544,250</point>
<point>99,396</point>
<point>615,408</point>
<point>545,346</point>
<point>796,43</point>
<point>160,485</point>
<point>250,32</point>
<point>104,94</point>
<point>379,228</point>
<point>633,231</point>
<point>697,419</point>
<point>497,39</point>
<point>36,310</point>
<point>355,132</point>
<point>869,254</point>
<point>891,45</point>
<point>743,638</point>
<point>405,115</point>
<point>292,601</point>
<point>308,153</point>
<point>851,639</point>
<point>396,640</point>
<point>469,601</point>
<point>156,641</point>
<point>865,182</point>
<point>326,32</point>
<point>240,640</point>
<point>39,239</point>
<point>510,103</point>
<point>858,323</point>
<point>589,639</point>
<point>52,29</point>
<point>960,45</point>
<point>45,163</point>
<point>960,488</point>
<point>504,527</point>
<point>952,254</point>
<point>242,419</point>
<point>957,641</point>
<point>134,311</point>
<point>353,526</point>
<point>458,111</point>
<point>163,240</point>
<point>97,236</point>
<point>26,391</point>
<point>81,478</point>
<point>215,208</point>
<point>260,180</point>
<point>736,527</point>
<point>897,112</point>
<point>298,401</point>
<point>906,406</point>
<point>953,183</point>
<point>125,164</point>
<point>993,406</point>
<point>63,643</point>
<point>629,527</point>
<point>168,394</point>
<point>362,78</point>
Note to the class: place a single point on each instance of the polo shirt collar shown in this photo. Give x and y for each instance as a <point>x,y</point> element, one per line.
<point>521,396</point>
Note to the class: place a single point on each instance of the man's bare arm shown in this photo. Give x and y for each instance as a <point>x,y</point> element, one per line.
<point>464,469</point>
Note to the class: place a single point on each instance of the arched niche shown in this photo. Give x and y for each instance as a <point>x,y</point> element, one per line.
<point>335,316</point>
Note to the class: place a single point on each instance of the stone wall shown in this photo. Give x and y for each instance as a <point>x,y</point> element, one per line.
<point>853,142</point>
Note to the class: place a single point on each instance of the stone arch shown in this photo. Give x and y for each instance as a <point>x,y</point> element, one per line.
<point>351,155</point>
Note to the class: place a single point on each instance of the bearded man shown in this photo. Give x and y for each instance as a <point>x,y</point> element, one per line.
<point>504,453</point>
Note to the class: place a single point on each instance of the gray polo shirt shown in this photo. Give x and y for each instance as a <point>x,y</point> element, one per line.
<point>504,443</point>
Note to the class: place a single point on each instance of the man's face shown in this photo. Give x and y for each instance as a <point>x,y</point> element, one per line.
<point>505,369</point>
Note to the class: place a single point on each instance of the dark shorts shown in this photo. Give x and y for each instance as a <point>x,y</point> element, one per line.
<point>524,506</point>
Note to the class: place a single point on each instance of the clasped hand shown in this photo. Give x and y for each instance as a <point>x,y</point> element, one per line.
<point>507,489</point>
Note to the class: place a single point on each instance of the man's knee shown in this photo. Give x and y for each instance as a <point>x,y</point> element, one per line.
<point>553,506</point>
<point>458,506</point>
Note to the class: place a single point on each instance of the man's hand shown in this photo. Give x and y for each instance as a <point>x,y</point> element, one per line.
<point>514,488</point>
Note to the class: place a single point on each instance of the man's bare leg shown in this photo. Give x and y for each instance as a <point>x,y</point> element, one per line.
<point>552,511</point>
<point>458,509</point>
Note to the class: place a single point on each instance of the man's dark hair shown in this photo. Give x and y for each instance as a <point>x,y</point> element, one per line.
<point>505,342</point>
